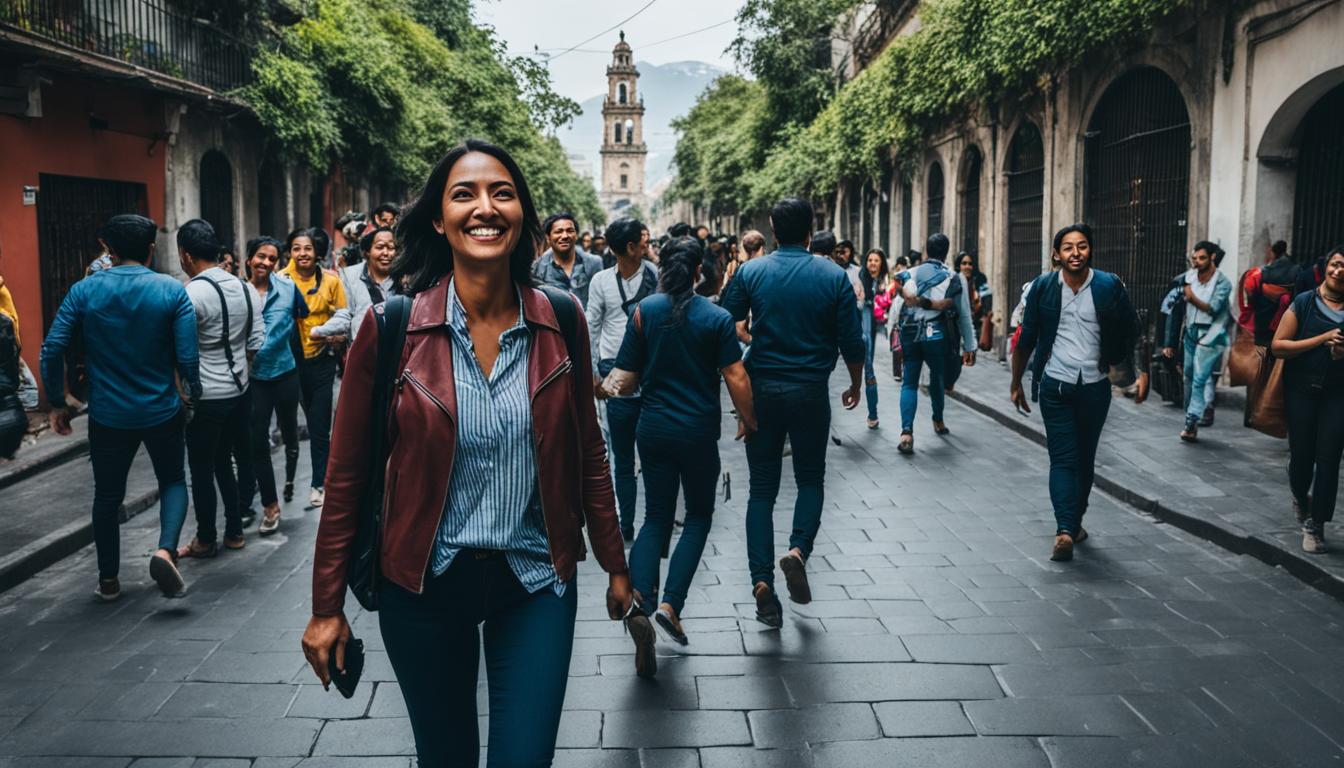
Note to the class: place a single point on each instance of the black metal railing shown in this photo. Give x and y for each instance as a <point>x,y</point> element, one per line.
<point>876,30</point>
<point>146,33</point>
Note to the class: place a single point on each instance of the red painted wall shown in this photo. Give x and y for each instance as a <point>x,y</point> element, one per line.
<point>61,142</point>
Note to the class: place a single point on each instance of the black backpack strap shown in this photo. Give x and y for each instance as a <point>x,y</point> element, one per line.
<point>566,316</point>
<point>224,318</point>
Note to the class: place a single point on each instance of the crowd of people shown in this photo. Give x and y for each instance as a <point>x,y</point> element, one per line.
<point>502,376</point>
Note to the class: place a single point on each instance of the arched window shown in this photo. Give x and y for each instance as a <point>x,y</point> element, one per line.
<point>970,200</point>
<point>629,131</point>
<point>616,132</point>
<point>621,95</point>
<point>1318,217</point>
<point>933,196</point>
<point>1026,196</point>
<point>625,175</point>
<point>216,180</point>
<point>1138,182</point>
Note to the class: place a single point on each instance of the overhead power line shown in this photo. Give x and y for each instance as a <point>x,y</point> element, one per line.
<point>644,8</point>
<point>642,46</point>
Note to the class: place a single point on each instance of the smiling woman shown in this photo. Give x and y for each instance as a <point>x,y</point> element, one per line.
<point>488,530</point>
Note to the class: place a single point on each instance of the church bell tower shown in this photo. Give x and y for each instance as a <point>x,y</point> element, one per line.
<point>623,148</point>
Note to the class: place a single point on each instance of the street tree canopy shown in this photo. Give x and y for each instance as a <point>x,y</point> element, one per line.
<point>386,87</point>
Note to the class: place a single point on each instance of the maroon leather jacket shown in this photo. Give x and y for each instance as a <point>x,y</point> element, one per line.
<point>572,472</point>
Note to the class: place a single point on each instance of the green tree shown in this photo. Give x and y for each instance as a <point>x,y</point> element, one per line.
<point>718,144</point>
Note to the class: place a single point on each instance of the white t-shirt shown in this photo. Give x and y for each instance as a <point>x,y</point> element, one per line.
<point>1203,292</point>
<point>217,381</point>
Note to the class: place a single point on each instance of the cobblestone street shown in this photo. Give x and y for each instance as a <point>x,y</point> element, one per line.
<point>940,635</point>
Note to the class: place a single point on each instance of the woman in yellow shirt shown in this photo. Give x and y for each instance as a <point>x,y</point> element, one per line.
<point>320,335</point>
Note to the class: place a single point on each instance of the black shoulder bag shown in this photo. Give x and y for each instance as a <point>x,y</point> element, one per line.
<point>364,574</point>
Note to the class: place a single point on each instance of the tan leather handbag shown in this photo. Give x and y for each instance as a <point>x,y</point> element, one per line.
<point>1243,359</point>
<point>1265,411</point>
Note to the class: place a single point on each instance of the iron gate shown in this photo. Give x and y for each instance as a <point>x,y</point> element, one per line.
<point>1138,183</point>
<point>933,188</point>
<point>970,204</point>
<point>70,210</point>
<point>1026,195</point>
<point>1318,207</point>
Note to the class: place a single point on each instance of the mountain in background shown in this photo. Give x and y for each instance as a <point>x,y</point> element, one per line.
<point>669,90</point>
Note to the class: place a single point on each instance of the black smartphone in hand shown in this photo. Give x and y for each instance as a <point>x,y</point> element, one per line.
<point>346,681</point>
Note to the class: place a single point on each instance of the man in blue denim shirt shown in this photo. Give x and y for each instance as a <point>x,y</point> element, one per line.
<point>802,312</point>
<point>565,265</point>
<point>138,327</point>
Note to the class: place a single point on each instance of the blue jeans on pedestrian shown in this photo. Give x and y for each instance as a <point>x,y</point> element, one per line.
<point>668,465</point>
<point>920,352</point>
<point>1199,363</point>
<point>872,331</point>
<point>1074,415</point>
<point>111,451</point>
<point>622,419</point>
<point>802,413</point>
<point>434,646</point>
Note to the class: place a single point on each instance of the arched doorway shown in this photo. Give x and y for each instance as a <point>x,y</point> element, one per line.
<point>1138,182</point>
<point>933,199</point>
<point>1026,195</point>
<point>1318,205</point>
<point>971,166</point>
<point>217,195</point>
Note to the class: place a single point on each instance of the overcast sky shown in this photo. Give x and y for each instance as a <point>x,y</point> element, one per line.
<point>555,25</point>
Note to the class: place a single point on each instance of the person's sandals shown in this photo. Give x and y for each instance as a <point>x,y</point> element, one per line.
<point>768,609</point>
<point>198,549</point>
<point>939,428</point>
<point>795,577</point>
<point>670,624</point>
<point>1063,549</point>
<point>642,632</point>
<point>269,524</point>
<point>108,589</point>
<point>163,570</point>
<point>907,444</point>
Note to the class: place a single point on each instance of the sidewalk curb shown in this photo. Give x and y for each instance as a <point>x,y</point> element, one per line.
<point>1232,538</point>
<point>19,471</point>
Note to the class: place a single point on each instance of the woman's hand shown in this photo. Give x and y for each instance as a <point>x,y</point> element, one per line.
<point>1331,338</point>
<point>619,595</point>
<point>326,635</point>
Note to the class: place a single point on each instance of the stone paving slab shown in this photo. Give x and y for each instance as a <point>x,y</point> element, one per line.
<point>1231,487</point>
<point>941,636</point>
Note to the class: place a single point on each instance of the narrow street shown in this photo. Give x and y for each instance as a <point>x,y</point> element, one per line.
<point>939,635</point>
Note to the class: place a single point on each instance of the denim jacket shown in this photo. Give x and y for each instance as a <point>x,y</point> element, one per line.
<point>1040,323</point>
<point>283,305</point>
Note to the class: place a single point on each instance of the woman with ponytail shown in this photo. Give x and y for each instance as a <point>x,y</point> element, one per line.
<point>674,350</point>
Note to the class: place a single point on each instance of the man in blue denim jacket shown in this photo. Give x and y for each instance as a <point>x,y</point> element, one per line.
<point>1080,322</point>
<point>1204,333</point>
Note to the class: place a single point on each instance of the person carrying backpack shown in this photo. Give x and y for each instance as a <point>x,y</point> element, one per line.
<point>1266,293</point>
<point>936,297</point>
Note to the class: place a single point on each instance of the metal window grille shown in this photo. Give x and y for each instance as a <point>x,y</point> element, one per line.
<point>970,203</point>
<point>146,33</point>
<point>1318,206</point>
<point>1026,195</point>
<point>1138,183</point>
<point>933,189</point>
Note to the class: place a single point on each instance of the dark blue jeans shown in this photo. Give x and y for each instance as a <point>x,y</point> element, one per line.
<point>111,451</point>
<point>802,413</point>
<point>668,465</point>
<point>622,419</point>
<point>919,352</point>
<point>1074,415</point>
<point>434,645</point>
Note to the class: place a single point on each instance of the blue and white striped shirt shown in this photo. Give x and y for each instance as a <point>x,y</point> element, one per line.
<point>492,495</point>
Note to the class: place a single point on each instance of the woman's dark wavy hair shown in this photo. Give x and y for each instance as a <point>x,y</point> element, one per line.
<point>676,273</point>
<point>424,256</point>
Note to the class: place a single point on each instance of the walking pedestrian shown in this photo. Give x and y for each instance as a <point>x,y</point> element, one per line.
<point>843,256</point>
<point>138,329</point>
<point>612,297</point>
<point>489,529</point>
<point>229,331</point>
<point>275,383</point>
<point>1079,322</point>
<point>977,290</point>
<point>937,305</point>
<point>13,417</point>
<point>874,280</point>
<point>325,296</point>
<point>564,264</point>
<point>1204,333</point>
<point>802,311</point>
<point>675,348</point>
<point>1268,290</point>
<point>1310,339</point>
<point>370,281</point>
